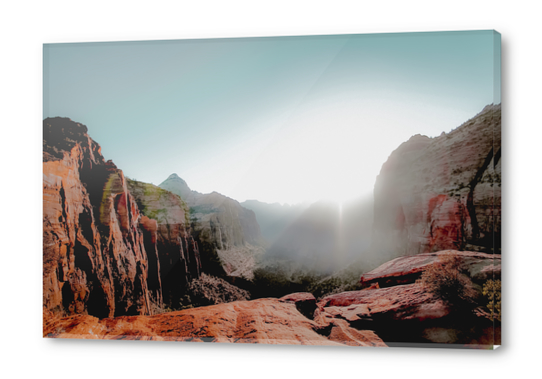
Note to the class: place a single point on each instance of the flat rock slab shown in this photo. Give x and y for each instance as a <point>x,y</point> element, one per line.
<point>404,302</point>
<point>267,321</point>
<point>408,269</point>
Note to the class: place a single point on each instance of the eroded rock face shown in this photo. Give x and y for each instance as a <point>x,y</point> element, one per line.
<point>442,193</point>
<point>223,229</point>
<point>94,253</point>
<point>178,254</point>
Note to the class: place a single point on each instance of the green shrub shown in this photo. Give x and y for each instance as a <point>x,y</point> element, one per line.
<point>447,279</point>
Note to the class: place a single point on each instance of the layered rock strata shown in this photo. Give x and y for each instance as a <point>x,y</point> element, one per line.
<point>166,218</point>
<point>404,314</point>
<point>266,321</point>
<point>223,229</point>
<point>405,270</point>
<point>442,193</point>
<point>94,253</point>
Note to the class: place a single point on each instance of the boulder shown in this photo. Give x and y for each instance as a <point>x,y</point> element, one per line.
<point>305,302</point>
<point>399,303</point>
<point>404,270</point>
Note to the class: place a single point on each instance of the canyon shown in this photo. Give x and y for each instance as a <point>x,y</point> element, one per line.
<point>402,314</point>
<point>110,245</point>
<point>222,228</point>
<point>323,236</point>
<point>124,259</point>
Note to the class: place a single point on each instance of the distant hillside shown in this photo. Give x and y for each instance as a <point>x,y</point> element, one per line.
<point>322,236</point>
<point>274,218</point>
<point>223,229</point>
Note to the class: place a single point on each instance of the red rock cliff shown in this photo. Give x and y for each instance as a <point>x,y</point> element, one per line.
<point>228,234</point>
<point>178,253</point>
<point>95,261</point>
<point>442,193</point>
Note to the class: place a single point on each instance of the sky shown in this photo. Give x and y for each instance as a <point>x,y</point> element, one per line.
<point>277,119</point>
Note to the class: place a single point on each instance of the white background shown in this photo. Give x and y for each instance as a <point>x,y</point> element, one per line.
<point>26,25</point>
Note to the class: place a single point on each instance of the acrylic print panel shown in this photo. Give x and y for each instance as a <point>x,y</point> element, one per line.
<point>321,190</point>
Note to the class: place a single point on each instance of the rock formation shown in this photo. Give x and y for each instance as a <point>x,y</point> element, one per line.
<point>166,216</point>
<point>305,302</point>
<point>403,314</point>
<point>223,229</point>
<point>94,253</point>
<point>405,270</point>
<point>404,311</point>
<point>441,193</point>
<point>266,321</point>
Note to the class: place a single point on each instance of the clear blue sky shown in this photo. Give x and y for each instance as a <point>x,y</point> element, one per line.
<point>282,119</point>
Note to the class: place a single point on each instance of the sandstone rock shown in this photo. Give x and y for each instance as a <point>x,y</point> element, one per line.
<point>408,269</point>
<point>305,302</point>
<point>406,315</point>
<point>178,254</point>
<point>405,312</point>
<point>267,321</point>
<point>93,250</point>
<point>403,302</point>
<point>225,231</point>
<point>342,332</point>
<point>441,193</point>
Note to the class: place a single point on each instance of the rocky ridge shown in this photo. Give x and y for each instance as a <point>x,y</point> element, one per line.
<point>441,193</point>
<point>111,246</point>
<point>94,253</point>
<point>400,315</point>
<point>222,228</point>
<point>167,217</point>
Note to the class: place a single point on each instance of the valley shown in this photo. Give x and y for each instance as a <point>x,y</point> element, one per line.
<point>125,259</point>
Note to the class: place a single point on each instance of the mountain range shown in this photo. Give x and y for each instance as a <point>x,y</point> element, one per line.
<point>113,246</point>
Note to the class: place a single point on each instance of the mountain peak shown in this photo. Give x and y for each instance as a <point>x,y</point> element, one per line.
<point>177,178</point>
<point>174,176</point>
<point>174,183</point>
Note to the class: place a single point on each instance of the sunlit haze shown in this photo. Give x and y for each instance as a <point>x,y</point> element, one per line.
<point>287,120</point>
